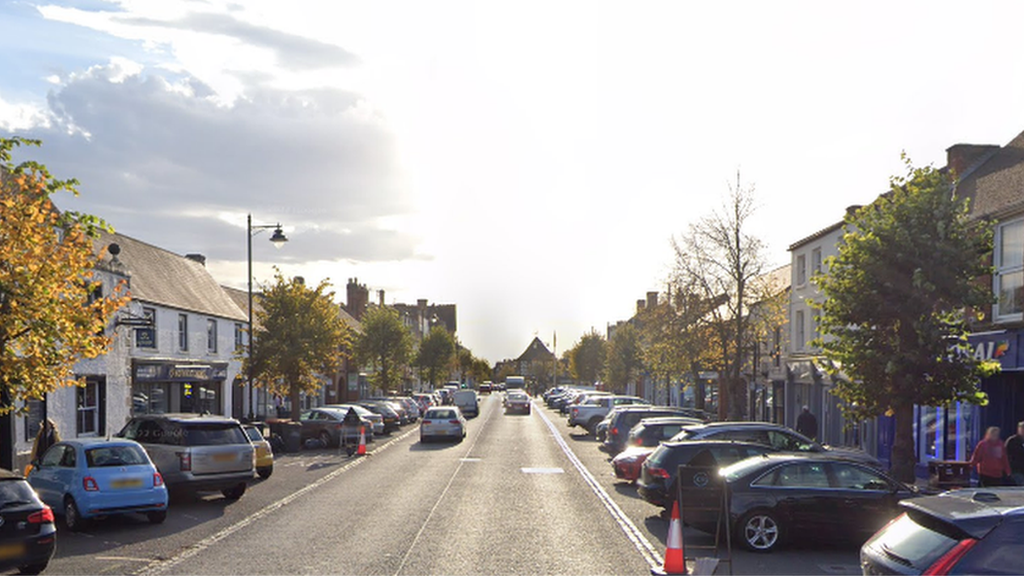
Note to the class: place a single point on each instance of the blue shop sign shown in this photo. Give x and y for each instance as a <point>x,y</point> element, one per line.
<point>1003,346</point>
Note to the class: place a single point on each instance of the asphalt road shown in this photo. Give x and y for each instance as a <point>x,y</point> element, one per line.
<point>521,495</point>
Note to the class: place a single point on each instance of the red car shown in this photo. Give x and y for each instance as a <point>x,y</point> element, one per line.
<point>628,463</point>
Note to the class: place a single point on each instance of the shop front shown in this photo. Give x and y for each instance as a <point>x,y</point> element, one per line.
<point>169,386</point>
<point>1005,390</point>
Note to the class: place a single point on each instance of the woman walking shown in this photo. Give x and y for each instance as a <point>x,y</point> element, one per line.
<point>990,459</point>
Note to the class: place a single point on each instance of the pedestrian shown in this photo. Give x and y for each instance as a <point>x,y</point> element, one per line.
<point>1015,454</point>
<point>990,459</point>
<point>807,424</point>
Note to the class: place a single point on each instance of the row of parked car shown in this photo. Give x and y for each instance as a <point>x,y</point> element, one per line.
<point>783,486</point>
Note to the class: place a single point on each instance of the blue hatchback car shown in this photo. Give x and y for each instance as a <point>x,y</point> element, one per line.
<point>89,478</point>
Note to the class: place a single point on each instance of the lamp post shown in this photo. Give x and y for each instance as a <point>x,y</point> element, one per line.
<point>277,239</point>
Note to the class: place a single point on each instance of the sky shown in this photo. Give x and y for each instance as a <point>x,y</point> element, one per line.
<point>527,161</point>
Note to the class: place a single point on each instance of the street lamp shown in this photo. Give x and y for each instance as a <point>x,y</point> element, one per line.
<point>277,239</point>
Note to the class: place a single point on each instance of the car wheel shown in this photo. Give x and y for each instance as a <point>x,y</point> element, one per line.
<point>325,439</point>
<point>592,426</point>
<point>157,517</point>
<point>235,492</point>
<point>265,472</point>
<point>33,568</point>
<point>760,531</point>
<point>72,517</point>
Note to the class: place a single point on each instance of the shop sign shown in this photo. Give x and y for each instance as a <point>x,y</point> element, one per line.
<point>172,372</point>
<point>1001,347</point>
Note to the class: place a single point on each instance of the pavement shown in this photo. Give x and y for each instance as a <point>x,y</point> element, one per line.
<point>521,495</point>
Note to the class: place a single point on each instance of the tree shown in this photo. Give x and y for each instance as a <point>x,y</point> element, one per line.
<point>892,317</point>
<point>587,358</point>
<point>719,259</point>
<point>385,346</point>
<point>437,350</point>
<point>50,315</point>
<point>624,358</point>
<point>481,370</point>
<point>464,359</point>
<point>298,338</point>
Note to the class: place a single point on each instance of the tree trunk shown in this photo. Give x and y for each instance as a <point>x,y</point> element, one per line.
<point>296,396</point>
<point>903,458</point>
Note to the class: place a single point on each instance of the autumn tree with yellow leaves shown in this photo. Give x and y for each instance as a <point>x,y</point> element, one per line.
<point>50,317</point>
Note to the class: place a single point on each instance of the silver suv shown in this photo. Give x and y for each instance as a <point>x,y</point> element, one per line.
<point>196,452</point>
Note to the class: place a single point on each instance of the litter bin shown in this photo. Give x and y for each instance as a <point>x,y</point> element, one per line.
<point>292,433</point>
<point>949,474</point>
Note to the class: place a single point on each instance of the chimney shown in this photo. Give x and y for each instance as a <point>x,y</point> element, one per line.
<point>640,304</point>
<point>300,280</point>
<point>421,303</point>
<point>960,157</point>
<point>851,210</point>
<point>197,258</point>
<point>358,297</point>
<point>652,300</point>
<point>380,296</point>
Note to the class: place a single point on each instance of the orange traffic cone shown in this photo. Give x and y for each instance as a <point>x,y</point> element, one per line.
<point>362,441</point>
<point>675,561</point>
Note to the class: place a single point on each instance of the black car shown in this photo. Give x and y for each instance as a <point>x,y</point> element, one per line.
<point>657,482</point>
<point>775,435</point>
<point>652,431</point>
<point>804,497</point>
<point>974,531</point>
<point>625,418</point>
<point>28,535</point>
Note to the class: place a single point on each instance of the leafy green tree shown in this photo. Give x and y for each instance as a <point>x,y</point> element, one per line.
<point>892,316</point>
<point>298,338</point>
<point>385,346</point>
<point>587,357</point>
<point>49,315</point>
<point>437,350</point>
<point>625,358</point>
<point>481,370</point>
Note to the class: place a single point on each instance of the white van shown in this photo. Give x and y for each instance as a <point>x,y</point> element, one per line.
<point>467,402</point>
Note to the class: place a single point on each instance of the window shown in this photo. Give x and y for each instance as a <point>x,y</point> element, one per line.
<point>1009,276</point>
<point>211,336</point>
<point>88,404</point>
<point>798,326</point>
<point>849,477</point>
<point>239,336</point>
<point>53,456</point>
<point>788,442</point>
<point>816,261</point>
<point>146,337</point>
<point>777,347</point>
<point>803,475</point>
<point>801,270</point>
<point>183,332</point>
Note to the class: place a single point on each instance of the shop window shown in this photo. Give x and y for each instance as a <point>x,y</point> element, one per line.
<point>89,417</point>
<point>1009,277</point>
<point>211,336</point>
<point>151,398</point>
<point>183,332</point>
<point>146,337</point>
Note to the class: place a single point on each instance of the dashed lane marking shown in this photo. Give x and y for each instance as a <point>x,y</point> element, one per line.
<point>160,566</point>
<point>542,470</point>
<point>642,544</point>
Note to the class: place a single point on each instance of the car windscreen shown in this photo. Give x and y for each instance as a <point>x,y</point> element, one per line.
<point>741,468</point>
<point>15,490</point>
<point>917,539</point>
<point>106,456</point>
<point>213,434</point>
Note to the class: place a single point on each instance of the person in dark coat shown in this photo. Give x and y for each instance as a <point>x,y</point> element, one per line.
<point>807,424</point>
<point>1015,453</point>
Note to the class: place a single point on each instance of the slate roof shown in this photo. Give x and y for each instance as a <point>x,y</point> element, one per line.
<point>241,299</point>
<point>996,185</point>
<point>535,351</point>
<point>161,277</point>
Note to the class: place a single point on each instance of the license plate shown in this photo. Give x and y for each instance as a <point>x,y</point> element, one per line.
<point>126,483</point>
<point>227,457</point>
<point>443,432</point>
<point>8,551</point>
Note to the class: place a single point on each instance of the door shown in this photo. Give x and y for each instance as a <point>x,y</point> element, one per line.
<point>865,499</point>
<point>44,476</point>
<point>805,498</point>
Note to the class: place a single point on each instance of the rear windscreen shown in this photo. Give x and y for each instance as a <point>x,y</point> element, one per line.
<point>115,456</point>
<point>15,491</point>
<point>214,434</point>
<point>917,540</point>
<point>440,414</point>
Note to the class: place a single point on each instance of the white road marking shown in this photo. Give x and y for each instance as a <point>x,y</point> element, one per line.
<point>542,470</point>
<point>642,544</point>
<point>469,459</point>
<point>122,559</point>
<point>476,438</point>
<point>160,566</point>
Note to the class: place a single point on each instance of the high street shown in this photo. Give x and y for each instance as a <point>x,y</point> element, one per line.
<point>513,498</point>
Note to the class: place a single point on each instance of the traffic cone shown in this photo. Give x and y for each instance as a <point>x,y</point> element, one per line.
<point>362,441</point>
<point>675,560</point>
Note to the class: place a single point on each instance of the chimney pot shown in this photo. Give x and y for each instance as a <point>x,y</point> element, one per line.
<point>652,299</point>
<point>960,157</point>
